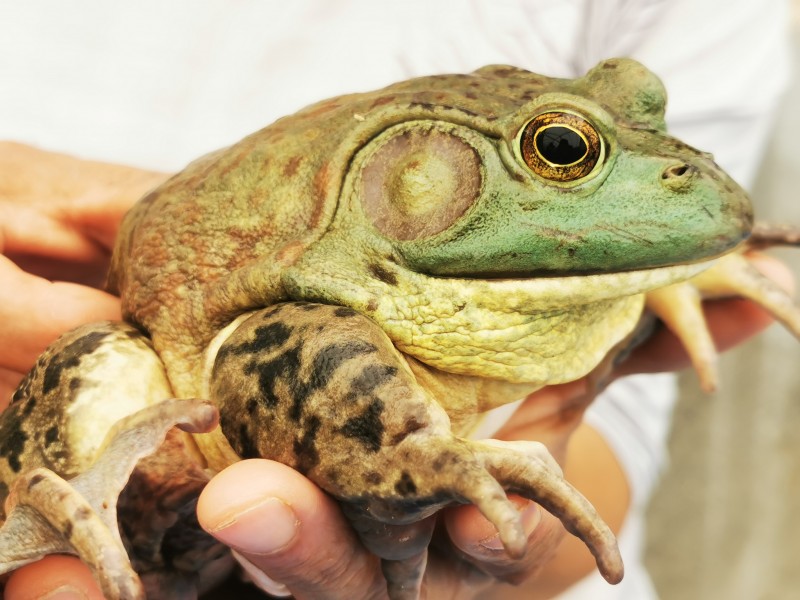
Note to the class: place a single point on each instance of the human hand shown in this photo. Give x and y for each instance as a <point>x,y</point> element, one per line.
<point>59,216</point>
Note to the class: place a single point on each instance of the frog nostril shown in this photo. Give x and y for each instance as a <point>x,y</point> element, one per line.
<point>678,177</point>
<point>677,171</point>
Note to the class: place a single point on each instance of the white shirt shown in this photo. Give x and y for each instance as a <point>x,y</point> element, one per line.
<point>156,84</point>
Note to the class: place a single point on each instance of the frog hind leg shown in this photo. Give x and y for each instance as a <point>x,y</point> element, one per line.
<point>95,403</point>
<point>322,389</point>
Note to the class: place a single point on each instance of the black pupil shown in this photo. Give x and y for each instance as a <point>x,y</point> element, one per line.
<point>560,145</point>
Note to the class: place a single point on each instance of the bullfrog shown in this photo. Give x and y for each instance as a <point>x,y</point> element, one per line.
<point>349,291</point>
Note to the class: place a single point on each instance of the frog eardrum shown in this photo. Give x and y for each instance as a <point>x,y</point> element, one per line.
<point>420,179</point>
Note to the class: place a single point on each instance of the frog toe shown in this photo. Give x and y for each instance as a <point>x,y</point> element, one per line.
<point>679,306</point>
<point>50,516</point>
<point>527,469</point>
<point>735,275</point>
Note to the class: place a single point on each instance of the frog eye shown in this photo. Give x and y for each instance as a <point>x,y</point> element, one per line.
<point>560,146</point>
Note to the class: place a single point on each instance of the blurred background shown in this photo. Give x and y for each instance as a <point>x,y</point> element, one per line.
<point>725,522</point>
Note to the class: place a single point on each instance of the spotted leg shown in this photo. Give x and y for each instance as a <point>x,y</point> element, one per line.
<point>322,389</point>
<point>86,418</point>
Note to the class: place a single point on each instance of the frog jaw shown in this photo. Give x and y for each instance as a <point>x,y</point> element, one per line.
<point>540,331</point>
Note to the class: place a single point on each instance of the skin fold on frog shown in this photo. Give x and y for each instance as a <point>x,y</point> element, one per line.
<point>348,291</point>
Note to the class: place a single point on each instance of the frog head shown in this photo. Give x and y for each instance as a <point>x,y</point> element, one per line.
<point>501,220</point>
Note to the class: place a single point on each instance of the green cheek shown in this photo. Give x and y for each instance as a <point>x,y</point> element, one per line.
<point>633,220</point>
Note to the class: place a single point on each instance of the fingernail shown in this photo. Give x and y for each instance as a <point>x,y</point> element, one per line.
<point>530,515</point>
<point>65,592</point>
<point>261,579</point>
<point>260,528</point>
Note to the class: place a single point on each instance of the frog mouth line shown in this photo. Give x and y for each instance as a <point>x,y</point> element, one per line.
<point>544,293</point>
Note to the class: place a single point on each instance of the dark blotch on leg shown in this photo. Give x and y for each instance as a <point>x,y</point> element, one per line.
<point>307,306</point>
<point>405,485</point>
<point>30,404</point>
<point>367,428</point>
<point>35,480</point>
<point>305,448</point>
<point>410,426</point>
<point>81,514</point>
<point>70,356</point>
<point>372,377</point>
<point>373,478</point>
<point>332,356</point>
<point>286,367</point>
<point>238,436</point>
<point>323,367</point>
<point>51,435</point>
<point>12,439</point>
<point>267,338</point>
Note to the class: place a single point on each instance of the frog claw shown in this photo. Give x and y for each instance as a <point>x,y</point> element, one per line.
<point>486,470</point>
<point>477,473</point>
<point>48,515</point>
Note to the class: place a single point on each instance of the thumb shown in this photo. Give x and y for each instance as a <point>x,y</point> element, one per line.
<point>289,530</point>
<point>64,577</point>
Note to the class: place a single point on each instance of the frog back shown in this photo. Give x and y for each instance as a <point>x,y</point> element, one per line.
<point>211,241</point>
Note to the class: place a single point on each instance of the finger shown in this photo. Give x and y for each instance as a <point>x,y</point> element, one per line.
<point>479,544</point>
<point>34,312</point>
<point>735,320</point>
<point>98,213</point>
<point>549,415</point>
<point>28,232</point>
<point>289,529</point>
<point>65,577</point>
<point>775,269</point>
<point>51,248</point>
<point>76,202</point>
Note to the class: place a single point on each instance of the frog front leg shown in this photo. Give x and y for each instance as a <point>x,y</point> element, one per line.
<point>323,390</point>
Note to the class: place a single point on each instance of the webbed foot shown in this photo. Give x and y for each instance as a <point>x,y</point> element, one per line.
<point>48,515</point>
<point>443,470</point>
